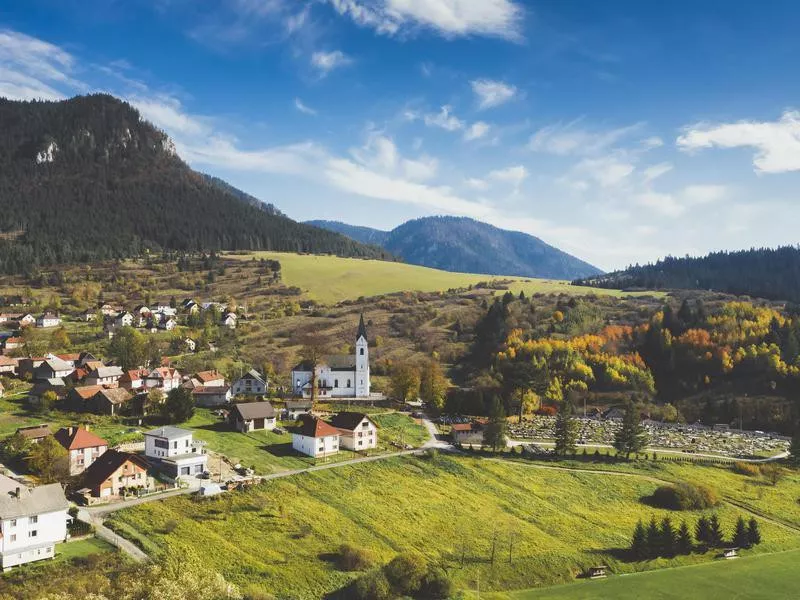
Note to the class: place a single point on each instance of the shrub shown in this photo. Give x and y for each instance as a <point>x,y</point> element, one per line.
<point>405,572</point>
<point>748,469</point>
<point>352,558</point>
<point>372,586</point>
<point>436,584</point>
<point>684,496</point>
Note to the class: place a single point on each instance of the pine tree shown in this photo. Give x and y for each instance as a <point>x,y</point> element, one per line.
<point>684,542</point>
<point>639,548</point>
<point>668,539</point>
<point>653,536</point>
<point>794,447</point>
<point>715,537</point>
<point>753,533</point>
<point>631,439</point>
<point>566,430</point>
<point>740,537</point>
<point>702,531</point>
<point>494,435</point>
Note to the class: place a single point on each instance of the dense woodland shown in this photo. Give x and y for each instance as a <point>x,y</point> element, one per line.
<point>87,179</point>
<point>761,273</point>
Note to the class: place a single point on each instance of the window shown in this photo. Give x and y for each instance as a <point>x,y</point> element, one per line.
<point>360,443</point>
<point>13,523</point>
<point>362,352</point>
<point>13,537</point>
<point>32,533</point>
<point>348,383</point>
<point>364,425</point>
<point>175,445</point>
<point>336,383</point>
<point>34,519</point>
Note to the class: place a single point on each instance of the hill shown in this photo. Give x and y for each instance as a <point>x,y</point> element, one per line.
<point>244,196</point>
<point>468,246</point>
<point>88,179</point>
<point>764,273</point>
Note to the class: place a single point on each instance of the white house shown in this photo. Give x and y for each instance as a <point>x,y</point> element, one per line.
<point>123,319</point>
<point>168,324</point>
<point>357,431</point>
<point>164,378</point>
<point>32,521</point>
<point>314,437</point>
<point>295,408</point>
<point>338,376</point>
<point>251,384</point>
<point>229,320</point>
<point>175,451</point>
<point>205,395</point>
<point>48,319</point>
<point>83,447</point>
<point>189,344</point>
<point>104,376</point>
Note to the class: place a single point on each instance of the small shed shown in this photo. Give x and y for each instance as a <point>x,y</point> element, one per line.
<point>597,572</point>
<point>730,553</point>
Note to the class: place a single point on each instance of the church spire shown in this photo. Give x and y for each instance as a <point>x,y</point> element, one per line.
<point>362,329</point>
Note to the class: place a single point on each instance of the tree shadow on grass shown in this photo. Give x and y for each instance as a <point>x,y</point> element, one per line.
<point>281,450</point>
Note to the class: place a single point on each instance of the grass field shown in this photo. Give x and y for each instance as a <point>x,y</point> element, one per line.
<point>80,548</point>
<point>283,535</point>
<point>330,279</point>
<point>764,577</point>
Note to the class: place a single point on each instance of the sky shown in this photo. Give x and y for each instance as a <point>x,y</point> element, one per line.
<point>618,131</point>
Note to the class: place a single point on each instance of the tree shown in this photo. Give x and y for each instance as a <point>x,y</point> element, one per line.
<point>372,586</point>
<point>753,533</point>
<point>566,430</point>
<point>653,536</point>
<point>494,435</point>
<point>554,393</point>
<point>639,548</point>
<point>715,537</point>
<point>684,544</point>
<point>794,448</point>
<point>405,573</point>
<point>49,460</point>
<point>61,338</point>
<point>312,354</point>
<point>46,401</point>
<point>405,382</point>
<point>740,537</point>
<point>631,439</point>
<point>128,349</point>
<point>669,540</point>
<point>703,531</point>
<point>16,447</point>
<point>153,401</point>
<point>179,406</point>
<point>433,384</point>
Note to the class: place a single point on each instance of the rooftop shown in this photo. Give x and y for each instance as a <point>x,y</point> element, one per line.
<point>255,410</point>
<point>168,432</point>
<point>315,427</point>
<point>30,501</point>
<point>76,438</point>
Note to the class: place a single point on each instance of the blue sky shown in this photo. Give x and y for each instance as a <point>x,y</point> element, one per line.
<point>618,131</point>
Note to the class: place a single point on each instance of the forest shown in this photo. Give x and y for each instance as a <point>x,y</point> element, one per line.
<point>87,179</point>
<point>761,273</point>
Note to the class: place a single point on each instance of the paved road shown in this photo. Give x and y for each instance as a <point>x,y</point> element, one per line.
<point>104,533</point>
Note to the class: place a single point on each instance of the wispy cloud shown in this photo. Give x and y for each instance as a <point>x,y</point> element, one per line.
<point>34,69</point>
<point>653,172</point>
<point>777,143</point>
<point>476,131</point>
<point>675,205</point>
<point>448,18</point>
<point>444,119</point>
<point>492,93</point>
<point>306,110</point>
<point>325,62</point>
<point>571,139</point>
<point>514,175</point>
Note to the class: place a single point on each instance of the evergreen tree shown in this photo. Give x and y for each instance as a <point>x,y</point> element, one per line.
<point>653,536</point>
<point>753,533</point>
<point>702,532</point>
<point>684,545</point>
<point>631,439</point>
<point>566,430</point>
<point>668,538</point>
<point>715,537</point>
<point>639,548</point>
<point>740,537</point>
<point>794,447</point>
<point>494,435</point>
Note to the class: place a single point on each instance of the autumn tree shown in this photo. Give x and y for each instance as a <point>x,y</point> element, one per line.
<point>433,384</point>
<point>405,382</point>
<point>153,401</point>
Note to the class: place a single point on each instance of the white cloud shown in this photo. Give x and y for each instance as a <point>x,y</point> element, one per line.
<point>444,119</point>
<point>325,62</point>
<point>675,205</point>
<point>513,175</point>
<point>167,113</point>
<point>380,154</point>
<point>477,184</point>
<point>306,110</point>
<point>704,194</point>
<point>565,139</point>
<point>653,172</point>
<point>652,142</point>
<point>294,159</point>
<point>476,131</point>
<point>777,143</point>
<point>31,68</point>
<point>664,204</point>
<point>449,18</point>
<point>608,171</point>
<point>492,93</point>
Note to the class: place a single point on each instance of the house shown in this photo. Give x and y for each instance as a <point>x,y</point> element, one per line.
<point>48,319</point>
<point>79,398</point>
<point>314,437</point>
<point>87,316</point>
<point>52,368</point>
<point>251,384</point>
<point>217,395</point>
<point>108,310</point>
<point>190,307</point>
<point>174,451</point>
<point>132,380</point>
<point>73,358</point>
<point>295,408</point>
<point>26,320</point>
<point>8,366</point>
<point>57,386</point>
<point>229,320</point>
<point>164,378</point>
<point>32,521</point>
<point>164,309</point>
<point>26,366</point>
<point>168,324</point>
<point>357,431</point>
<point>141,311</point>
<point>208,379</point>
<point>114,472</point>
<point>123,319</point>
<point>86,358</point>
<point>189,344</point>
<point>35,433</point>
<point>13,343</point>
<point>109,376</point>
<point>110,401</point>
<point>467,433</point>
<point>252,416</point>
<point>340,376</point>
<point>83,446</point>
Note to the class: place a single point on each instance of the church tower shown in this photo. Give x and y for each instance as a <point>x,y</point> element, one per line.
<point>362,360</point>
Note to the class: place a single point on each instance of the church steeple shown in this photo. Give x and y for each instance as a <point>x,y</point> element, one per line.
<point>362,329</point>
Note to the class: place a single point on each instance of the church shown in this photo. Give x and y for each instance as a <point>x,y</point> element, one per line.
<point>337,376</point>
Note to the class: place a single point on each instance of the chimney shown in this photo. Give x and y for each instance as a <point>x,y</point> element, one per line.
<point>18,492</point>
<point>70,430</point>
<point>86,426</point>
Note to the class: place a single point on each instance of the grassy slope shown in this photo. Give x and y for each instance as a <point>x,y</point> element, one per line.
<point>756,578</point>
<point>329,279</point>
<point>281,535</point>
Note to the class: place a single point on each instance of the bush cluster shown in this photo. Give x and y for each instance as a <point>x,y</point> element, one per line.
<point>406,575</point>
<point>684,496</point>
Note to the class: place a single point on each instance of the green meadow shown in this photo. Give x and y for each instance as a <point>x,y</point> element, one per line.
<point>544,526</point>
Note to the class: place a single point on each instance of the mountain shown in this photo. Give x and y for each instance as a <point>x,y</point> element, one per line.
<point>88,179</point>
<point>768,273</point>
<point>270,209</point>
<point>469,246</point>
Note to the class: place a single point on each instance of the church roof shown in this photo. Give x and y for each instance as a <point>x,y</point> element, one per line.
<point>362,329</point>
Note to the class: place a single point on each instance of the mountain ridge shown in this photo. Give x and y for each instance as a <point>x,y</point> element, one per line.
<point>465,245</point>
